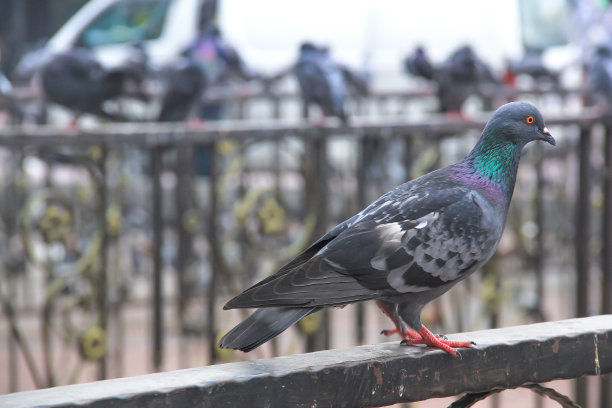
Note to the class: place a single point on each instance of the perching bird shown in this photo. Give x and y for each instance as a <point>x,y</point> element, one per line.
<point>321,80</point>
<point>75,80</point>
<point>419,64</point>
<point>9,102</point>
<point>458,78</point>
<point>600,74</point>
<point>406,248</point>
<point>185,86</point>
<point>531,65</point>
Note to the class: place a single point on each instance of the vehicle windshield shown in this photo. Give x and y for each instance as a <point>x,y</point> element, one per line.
<point>544,23</point>
<point>126,22</point>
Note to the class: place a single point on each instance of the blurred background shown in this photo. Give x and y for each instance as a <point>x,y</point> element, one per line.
<point>280,119</point>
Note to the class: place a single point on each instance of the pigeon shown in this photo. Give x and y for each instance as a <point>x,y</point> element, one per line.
<point>600,74</point>
<point>530,65</point>
<point>419,64</point>
<point>406,248</point>
<point>186,85</point>
<point>458,78</point>
<point>321,80</point>
<point>9,102</point>
<point>75,80</point>
<point>218,59</point>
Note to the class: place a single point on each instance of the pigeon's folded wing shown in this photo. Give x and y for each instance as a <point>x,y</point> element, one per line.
<point>401,243</point>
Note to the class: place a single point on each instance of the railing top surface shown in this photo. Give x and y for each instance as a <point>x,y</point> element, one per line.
<point>242,93</point>
<point>373,375</point>
<point>161,134</point>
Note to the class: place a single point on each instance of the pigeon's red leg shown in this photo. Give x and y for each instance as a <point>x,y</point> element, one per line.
<point>196,123</point>
<point>318,122</point>
<point>385,309</point>
<point>434,340</point>
<point>72,125</point>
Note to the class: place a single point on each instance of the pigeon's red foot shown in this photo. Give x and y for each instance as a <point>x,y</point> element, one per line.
<point>196,123</point>
<point>424,336</point>
<point>319,122</point>
<point>73,124</point>
<point>458,115</point>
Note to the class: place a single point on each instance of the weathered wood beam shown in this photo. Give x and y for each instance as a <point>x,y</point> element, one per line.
<point>375,375</point>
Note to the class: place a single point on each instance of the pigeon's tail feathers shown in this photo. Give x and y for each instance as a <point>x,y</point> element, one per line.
<point>263,325</point>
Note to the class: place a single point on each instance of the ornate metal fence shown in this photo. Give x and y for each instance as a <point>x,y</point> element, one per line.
<point>143,230</point>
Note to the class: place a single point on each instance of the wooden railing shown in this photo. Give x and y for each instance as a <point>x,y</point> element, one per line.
<point>375,375</point>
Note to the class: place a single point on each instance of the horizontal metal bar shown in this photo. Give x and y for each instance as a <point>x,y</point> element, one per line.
<point>161,134</point>
<point>375,375</point>
<point>239,93</point>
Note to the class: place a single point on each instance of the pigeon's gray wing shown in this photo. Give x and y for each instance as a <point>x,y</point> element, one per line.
<point>333,103</point>
<point>322,82</point>
<point>312,80</point>
<point>186,84</point>
<point>422,254</point>
<point>404,242</point>
<point>600,77</point>
<point>357,81</point>
<point>419,65</point>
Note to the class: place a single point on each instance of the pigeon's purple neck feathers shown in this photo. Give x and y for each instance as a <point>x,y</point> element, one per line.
<point>491,166</point>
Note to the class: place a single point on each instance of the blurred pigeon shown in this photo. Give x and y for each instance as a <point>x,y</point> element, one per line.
<point>75,80</point>
<point>458,78</point>
<point>321,80</point>
<point>185,86</point>
<point>357,82</point>
<point>217,58</point>
<point>600,74</point>
<point>9,102</point>
<point>405,249</point>
<point>530,65</point>
<point>419,64</point>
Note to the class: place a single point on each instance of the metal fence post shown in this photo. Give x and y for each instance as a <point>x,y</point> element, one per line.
<point>184,154</point>
<point>102,289</point>
<point>215,250</point>
<point>606,253</point>
<point>158,317</point>
<point>582,235</point>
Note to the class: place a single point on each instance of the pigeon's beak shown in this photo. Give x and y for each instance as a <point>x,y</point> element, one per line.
<point>547,137</point>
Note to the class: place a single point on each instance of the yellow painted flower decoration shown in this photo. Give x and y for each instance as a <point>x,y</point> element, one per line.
<point>272,216</point>
<point>54,223</point>
<point>92,343</point>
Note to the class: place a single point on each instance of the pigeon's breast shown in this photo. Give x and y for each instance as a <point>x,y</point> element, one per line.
<point>489,189</point>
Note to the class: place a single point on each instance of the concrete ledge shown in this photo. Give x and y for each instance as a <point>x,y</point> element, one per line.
<point>375,375</point>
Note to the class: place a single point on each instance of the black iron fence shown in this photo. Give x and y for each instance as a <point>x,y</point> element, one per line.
<point>159,224</point>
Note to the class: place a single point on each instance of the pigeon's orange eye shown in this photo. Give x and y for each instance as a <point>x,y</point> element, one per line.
<point>530,119</point>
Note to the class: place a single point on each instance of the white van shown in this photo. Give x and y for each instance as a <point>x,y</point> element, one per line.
<point>267,32</point>
<point>110,27</point>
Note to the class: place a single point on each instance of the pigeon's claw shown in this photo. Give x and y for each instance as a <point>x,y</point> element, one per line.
<point>389,332</point>
<point>434,340</point>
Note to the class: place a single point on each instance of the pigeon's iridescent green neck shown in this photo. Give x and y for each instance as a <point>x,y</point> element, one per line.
<point>492,165</point>
<point>497,162</point>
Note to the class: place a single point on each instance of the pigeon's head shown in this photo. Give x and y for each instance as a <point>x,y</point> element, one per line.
<point>603,51</point>
<point>307,47</point>
<point>518,123</point>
